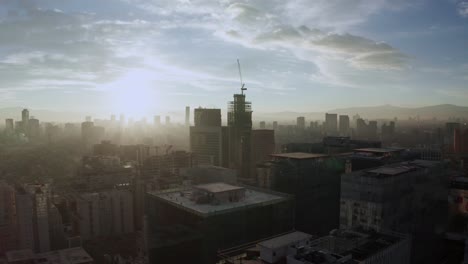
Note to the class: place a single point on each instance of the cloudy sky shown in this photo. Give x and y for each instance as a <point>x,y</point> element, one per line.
<point>148,56</point>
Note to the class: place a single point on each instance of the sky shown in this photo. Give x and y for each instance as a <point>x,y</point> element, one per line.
<point>143,57</point>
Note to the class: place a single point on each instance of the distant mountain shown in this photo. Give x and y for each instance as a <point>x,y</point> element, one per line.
<point>443,111</point>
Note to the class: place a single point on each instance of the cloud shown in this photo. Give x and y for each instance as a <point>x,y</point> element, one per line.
<point>462,8</point>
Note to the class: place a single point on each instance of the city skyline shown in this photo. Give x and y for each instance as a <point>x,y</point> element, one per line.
<point>144,57</point>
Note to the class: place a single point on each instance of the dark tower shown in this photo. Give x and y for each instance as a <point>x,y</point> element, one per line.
<point>240,130</point>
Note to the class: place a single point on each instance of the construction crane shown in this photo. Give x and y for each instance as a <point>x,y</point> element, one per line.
<point>243,88</point>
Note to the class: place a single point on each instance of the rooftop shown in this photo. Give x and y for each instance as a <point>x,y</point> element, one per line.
<point>284,240</point>
<point>182,198</point>
<point>399,168</point>
<point>378,150</point>
<point>217,187</point>
<point>299,155</point>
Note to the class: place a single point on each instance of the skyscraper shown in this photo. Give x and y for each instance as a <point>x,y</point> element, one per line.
<point>187,116</point>
<point>157,120</point>
<point>168,120</point>
<point>331,124</point>
<point>9,125</point>
<point>25,120</point>
<point>206,136</point>
<point>344,125</point>
<point>300,123</point>
<point>240,129</point>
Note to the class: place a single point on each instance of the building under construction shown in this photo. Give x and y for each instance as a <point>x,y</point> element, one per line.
<point>240,130</point>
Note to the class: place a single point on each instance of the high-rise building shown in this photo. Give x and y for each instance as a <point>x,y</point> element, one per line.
<point>317,211</point>
<point>206,137</point>
<point>262,125</point>
<point>331,124</point>
<point>398,197</point>
<point>240,131</point>
<point>9,126</point>
<point>25,116</point>
<point>41,203</point>
<point>300,123</point>
<point>106,213</point>
<point>187,116</point>
<point>263,145</point>
<point>344,125</point>
<point>206,117</point>
<point>157,121</point>
<point>34,129</point>
<point>275,125</point>
<point>168,120</point>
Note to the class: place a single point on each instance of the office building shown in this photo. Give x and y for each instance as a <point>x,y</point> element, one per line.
<point>344,125</point>
<point>207,117</point>
<point>201,220</point>
<point>25,120</point>
<point>34,129</point>
<point>187,116</point>
<point>300,123</point>
<point>398,197</point>
<point>317,211</point>
<point>262,125</point>
<point>103,214</point>
<point>331,124</point>
<point>263,145</point>
<point>206,137</point>
<point>275,125</point>
<point>9,126</point>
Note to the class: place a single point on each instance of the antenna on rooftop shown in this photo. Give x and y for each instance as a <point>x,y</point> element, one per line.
<point>240,76</point>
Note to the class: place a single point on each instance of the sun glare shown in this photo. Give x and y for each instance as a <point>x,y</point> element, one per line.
<point>134,94</point>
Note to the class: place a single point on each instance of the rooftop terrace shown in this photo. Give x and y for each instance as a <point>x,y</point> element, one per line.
<point>181,197</point>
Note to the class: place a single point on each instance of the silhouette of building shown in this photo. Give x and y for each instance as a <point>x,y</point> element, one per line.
<point>157,121</point>
<point>9,126</point>
<point>262,125</point>
<point>187,116</point>
<point>34,128</point>
<point>168,120</point>
<point>300,123</point>
<point>25,120</point>
<point>240,132</point>
<point>331,124</point>
<point>206,137</point>
<point>275,125</point>
<point>344,125</point>
<point>263,145</point>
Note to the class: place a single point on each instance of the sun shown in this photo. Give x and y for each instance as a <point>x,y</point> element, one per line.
<point>134,94</point>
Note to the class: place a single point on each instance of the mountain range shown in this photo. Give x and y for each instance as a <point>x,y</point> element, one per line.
<point>442,112</point>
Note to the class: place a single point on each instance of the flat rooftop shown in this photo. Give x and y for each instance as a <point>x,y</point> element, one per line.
<point>299,155</point>
<point>399,168</point>
<point>378,150</point>
<point>182,198</point>
<point>218,187</point>
<point>284,240</point>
